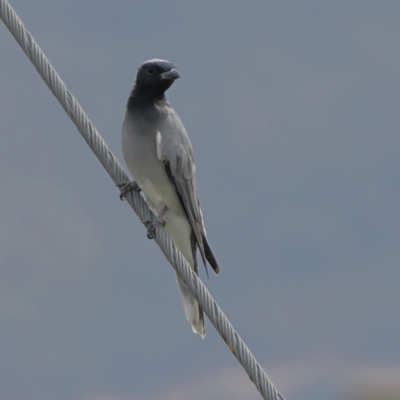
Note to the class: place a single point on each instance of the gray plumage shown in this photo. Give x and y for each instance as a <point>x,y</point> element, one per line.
<point>159,155</point>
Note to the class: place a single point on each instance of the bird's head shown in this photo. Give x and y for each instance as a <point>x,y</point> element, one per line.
<point>156,76</point>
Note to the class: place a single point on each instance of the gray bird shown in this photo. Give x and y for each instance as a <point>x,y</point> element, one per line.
<point>159,155</point>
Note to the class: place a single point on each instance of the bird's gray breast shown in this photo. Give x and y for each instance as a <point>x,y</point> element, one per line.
<point>139,147</point>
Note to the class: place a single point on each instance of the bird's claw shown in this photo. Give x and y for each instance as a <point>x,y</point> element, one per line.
<point>126,188</point>
<point>153,225</point>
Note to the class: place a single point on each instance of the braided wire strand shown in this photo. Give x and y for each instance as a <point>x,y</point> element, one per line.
<point>135,200</point>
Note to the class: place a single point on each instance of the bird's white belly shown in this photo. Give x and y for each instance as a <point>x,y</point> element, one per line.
<point>177,223</point>
<point>154,199</point>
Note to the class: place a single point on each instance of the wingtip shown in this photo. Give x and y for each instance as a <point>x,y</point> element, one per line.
<point>210,257</point>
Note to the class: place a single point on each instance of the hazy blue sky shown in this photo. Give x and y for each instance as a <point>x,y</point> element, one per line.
<point>293,112</point>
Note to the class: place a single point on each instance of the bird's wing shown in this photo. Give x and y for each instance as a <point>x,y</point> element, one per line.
<point>175,151</point>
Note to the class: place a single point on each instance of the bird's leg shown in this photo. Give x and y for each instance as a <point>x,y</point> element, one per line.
<point>126,188</point>
<point>155,223</point>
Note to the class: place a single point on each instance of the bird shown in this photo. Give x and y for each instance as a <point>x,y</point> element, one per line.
<point>159,155</point>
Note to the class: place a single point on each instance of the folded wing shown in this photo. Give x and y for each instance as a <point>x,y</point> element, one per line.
<point>175,151</point>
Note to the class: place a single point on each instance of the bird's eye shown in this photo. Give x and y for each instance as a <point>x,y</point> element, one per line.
<point>150,71</point>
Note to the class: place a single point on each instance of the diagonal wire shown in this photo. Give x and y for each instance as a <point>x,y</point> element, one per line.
<point>118,175</point>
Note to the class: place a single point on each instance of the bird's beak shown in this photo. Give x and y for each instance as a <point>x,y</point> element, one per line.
<point>171,74</point>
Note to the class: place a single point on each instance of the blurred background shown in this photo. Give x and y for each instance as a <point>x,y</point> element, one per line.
<point>293,112</point>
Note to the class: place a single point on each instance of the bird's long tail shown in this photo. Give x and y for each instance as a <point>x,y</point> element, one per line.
<point>193,312</point>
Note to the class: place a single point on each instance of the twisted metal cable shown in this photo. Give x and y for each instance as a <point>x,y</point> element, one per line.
<point>135,200</point>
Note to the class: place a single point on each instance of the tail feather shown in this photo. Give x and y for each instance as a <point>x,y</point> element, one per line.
<point>193,312</point>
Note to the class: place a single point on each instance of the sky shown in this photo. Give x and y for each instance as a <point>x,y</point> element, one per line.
<point>292,110</point>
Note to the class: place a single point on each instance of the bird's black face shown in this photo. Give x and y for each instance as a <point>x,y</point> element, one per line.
<point>156,76</point>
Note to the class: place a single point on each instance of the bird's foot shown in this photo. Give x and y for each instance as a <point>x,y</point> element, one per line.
<point>127,187</point>
<point>155,223</point>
